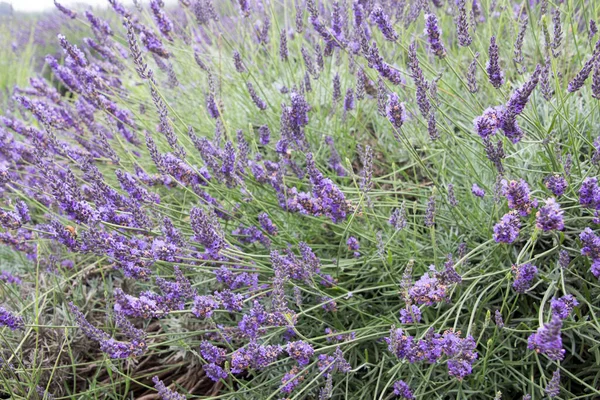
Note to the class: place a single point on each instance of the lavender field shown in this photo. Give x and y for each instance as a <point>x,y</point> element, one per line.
<point>301,199</point>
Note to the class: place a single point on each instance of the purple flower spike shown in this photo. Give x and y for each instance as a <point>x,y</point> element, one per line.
<point>550,216</point>
<point>395,111</point>
<point>477,191</point>
<point>547,339</point>
<point>488,123</point>
<point>507,230</point>
<point>402,390</point>
<point>410,315</point>
<point>379,17</point>
<point>69,13</point>
<point>589,193</point>
<point>524,275</point>
<point>563,306</point>
<point>13,322</point>
<point>556,184</point>
<point>495,74</point>
<point>462,25</point>
<point>300,351</point>
<point>591,248</point>
<point>553,386</point>
<point>164,392</point>
<point>517,194</point>
<point>434,33</point>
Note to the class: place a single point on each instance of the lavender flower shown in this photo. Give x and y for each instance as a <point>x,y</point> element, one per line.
<point>498,319</point>
<point>592,29</point>
<point>164,392</point>
<point>402,390</point>
<point>434,34</point>
<point>518,100</point>
<point>550,216</point>
<point>267,224</point>
<point>488,123</point>
<point>430,212</point>
<point>563,259</point>
<point>299,19</point>
<point>9,278</point>
<point>419,79</point>
<point>398,218</point>
<point>524,275</point>
<point>507,230</point>
<point>254,356</point>
<point>557,33</point>
<point>212,107</point>
<point>164,23</point>
<point>579,80</point>
<point>472,75</point>
<point>556,184</point>
<point>237,61</point>
<point>547,339</point>
<point>428,290</point>
<point>335,161</point>
<point>589,193</point>
<point>204,306</point>
<point>462,25</point>
<point>260,103</point>
<point>12,321</point>
<point>563,306</point>
<point>395,111</point>
<point>207,230</point>
<point>518,48</point>
<point>290,380</point>
<point>353,245</point>
<point>348,100</point>
<point>517,194</point>
<point>337,88</point>
<point>495,74</point>
<point>283,47</point>
<point>477,191</point>
<point>596,80</point>
<point>214,371</point>
<point>553,387</point>
<point>69,13</point>
<point>410,315</point>
<point>300,351</point>
<point>379,17</point>
<point>591,248</point>
<point>451,196</point>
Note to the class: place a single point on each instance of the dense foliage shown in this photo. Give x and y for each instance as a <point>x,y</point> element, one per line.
<point>305,200</point>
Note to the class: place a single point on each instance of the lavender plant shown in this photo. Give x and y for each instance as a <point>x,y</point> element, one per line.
<point>304,200</point>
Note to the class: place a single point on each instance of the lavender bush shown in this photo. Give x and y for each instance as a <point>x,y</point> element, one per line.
<point>305,200</point>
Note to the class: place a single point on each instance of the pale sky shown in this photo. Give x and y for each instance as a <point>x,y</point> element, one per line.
<point>41,5</point>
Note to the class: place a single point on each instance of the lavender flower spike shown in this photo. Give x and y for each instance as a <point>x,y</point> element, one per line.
<point>579,80</point>
<point>550,216</point>
<point>507,230</point>
<point>10,320</point>
<point>462,25</point>
<point>434,33</point>
<point>547,339</point>
<point>379,17</point>
<point>495,74</point>
<point>395,111</point>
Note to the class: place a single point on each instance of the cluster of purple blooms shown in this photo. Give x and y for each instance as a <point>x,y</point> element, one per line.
<point>524,276</point>
<point>591,248</point>
<point>10,320</point>
<point>547,340</point>
<point>433,286</point>
<point>460,352</point>
<point>49,157</point>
